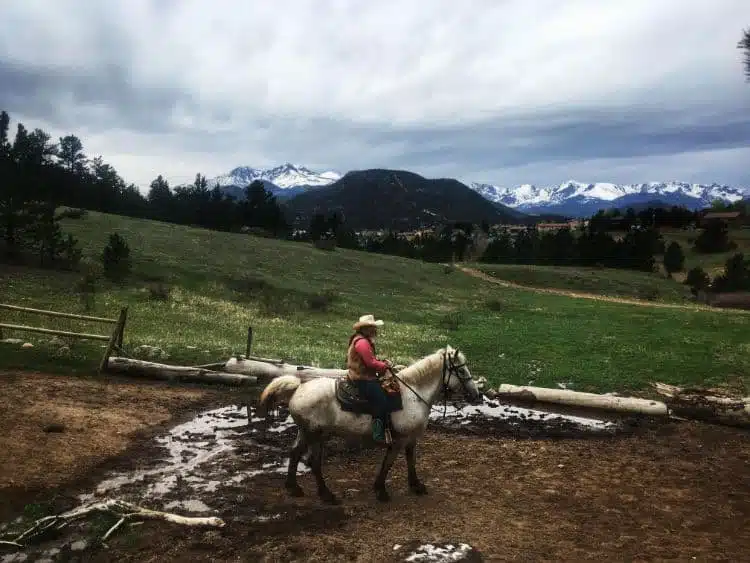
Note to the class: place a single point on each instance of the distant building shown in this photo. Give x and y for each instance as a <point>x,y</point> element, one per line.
<point>572,225</point>
<point>731,218</point>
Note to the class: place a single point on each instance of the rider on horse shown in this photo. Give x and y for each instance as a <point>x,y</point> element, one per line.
<point>365,370</point>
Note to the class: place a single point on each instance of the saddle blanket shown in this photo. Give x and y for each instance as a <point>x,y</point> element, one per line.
<point>350,399</point>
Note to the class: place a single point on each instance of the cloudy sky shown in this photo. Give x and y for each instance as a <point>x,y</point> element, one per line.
<point>499,91</point>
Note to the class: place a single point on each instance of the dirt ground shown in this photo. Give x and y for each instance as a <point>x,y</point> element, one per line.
<point>676,491</point>
<point>100,419</point>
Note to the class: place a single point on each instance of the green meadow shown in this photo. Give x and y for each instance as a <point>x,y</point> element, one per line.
<point>302,301</point>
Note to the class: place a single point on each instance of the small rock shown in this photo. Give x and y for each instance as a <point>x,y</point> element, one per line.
<point>55,427</point>
<point>79,545</point>
<point>56,342</point>
<point>27,345</point>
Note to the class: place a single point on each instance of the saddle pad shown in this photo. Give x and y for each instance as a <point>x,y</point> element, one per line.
<point>350,399</point>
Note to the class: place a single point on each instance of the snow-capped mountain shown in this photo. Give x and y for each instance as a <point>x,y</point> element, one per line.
<point>580,200</point>
<point>286,180</point>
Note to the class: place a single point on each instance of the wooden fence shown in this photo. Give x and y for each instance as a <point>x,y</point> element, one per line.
<point>113,340</point>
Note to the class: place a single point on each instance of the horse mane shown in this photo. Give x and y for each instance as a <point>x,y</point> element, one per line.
<point>421,370</point>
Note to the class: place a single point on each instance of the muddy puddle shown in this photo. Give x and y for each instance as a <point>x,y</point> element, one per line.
<point>205,465</point>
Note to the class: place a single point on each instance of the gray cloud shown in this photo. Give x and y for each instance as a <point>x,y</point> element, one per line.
<point>502,92</point>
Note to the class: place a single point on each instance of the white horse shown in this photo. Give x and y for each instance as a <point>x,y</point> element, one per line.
<point>318,414</point>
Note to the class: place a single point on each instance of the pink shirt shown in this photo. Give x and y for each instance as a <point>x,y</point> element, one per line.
<point>364,350</point>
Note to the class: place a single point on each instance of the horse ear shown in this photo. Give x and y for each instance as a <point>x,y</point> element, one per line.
<point>455,354</point>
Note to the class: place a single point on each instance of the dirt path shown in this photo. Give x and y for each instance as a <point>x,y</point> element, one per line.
<point>582,295</point>
<point>676,491</point>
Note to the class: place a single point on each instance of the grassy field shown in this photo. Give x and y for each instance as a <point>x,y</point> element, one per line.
<point>624,283</point>
<point>600,281</point>
<point>712,263</point>
<point>302,302</point>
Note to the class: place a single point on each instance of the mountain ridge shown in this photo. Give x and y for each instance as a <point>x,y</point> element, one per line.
<point>571,198</point>
<point>580,199</point>
<point>284,181</point>
<point>377,197</point>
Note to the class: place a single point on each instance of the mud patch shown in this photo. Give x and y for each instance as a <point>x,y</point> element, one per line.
<point>218,448</point>
<point>493,418</point>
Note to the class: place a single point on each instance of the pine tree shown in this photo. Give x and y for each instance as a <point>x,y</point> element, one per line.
<point>674,258</point>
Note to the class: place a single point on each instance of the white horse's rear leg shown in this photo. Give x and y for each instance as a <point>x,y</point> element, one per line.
<point>299,448</point>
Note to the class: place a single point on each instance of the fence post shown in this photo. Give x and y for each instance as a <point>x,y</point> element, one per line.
<point>124,314</point>
<point>249,341</point>
<point>116,335</point>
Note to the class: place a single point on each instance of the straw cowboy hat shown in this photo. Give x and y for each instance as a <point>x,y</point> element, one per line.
<point>367,320</point>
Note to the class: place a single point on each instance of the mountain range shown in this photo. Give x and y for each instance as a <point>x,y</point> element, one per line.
<point>285,181</point>
<point>369,197</point>
<point>583,200</point>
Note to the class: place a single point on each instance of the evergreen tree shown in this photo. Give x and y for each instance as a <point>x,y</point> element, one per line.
<point>714,238</point>
<point>744,45</point>
<point>736,276</point>
<point>71,154</point>
<point>697,279</point>
<point>674,258</point>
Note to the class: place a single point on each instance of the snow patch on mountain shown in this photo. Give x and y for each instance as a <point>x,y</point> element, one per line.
<point>285,176</point>
<point>529,197</point>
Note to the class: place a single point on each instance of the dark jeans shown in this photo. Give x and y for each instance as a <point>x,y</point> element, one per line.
<point>371,390</point>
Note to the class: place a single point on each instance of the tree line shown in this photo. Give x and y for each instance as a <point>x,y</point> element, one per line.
<point>38,176</point>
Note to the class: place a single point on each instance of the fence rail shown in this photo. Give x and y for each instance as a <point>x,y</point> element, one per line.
<point>114,340</point>
<point>56,314</point>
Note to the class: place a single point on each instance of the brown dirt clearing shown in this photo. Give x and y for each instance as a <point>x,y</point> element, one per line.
<point>100,419</point>
<point>673,491</point>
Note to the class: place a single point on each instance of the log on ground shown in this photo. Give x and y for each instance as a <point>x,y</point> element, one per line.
<point>707,405</point>
<point>265,371</point>
<point>612,403</point>
<point>167,372</point>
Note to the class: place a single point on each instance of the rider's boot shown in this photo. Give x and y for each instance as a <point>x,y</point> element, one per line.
<point>378,430</point>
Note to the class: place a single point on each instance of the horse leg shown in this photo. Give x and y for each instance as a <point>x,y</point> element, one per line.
<point>316,464</point>
<point>415,485</point>
<point>299,447</point>
<point>380,491</point>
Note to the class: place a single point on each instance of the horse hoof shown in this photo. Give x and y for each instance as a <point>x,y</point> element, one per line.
<point>329,498</point>
<point>382,495</point>
<point>295,490</point>
<point>418,489</point>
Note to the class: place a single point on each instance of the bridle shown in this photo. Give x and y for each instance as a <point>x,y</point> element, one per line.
<point>450,369</point>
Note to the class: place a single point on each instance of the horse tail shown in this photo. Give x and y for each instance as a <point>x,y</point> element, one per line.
<point>280,389</point>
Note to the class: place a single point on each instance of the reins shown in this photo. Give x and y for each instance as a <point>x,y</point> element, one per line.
<point>447,370</point>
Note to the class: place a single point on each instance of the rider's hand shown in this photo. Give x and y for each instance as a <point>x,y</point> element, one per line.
<point>388,363</point>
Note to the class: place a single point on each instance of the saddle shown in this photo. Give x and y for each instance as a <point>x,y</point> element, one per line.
<point>350,400</point>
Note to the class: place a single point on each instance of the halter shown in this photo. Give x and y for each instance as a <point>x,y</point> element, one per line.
<point>449,369</point>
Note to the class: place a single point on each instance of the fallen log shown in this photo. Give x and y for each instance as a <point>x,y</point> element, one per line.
<point>692,404</point>
<point>125,510</point>
<point>580,399</point>
<point>265,371</point>
<point>706,405</point>
<point>141,368</point>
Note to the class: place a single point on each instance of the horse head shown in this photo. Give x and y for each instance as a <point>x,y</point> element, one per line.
<point>457,377</point>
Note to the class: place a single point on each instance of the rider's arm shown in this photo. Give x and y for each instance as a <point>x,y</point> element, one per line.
<point>369,359</point>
